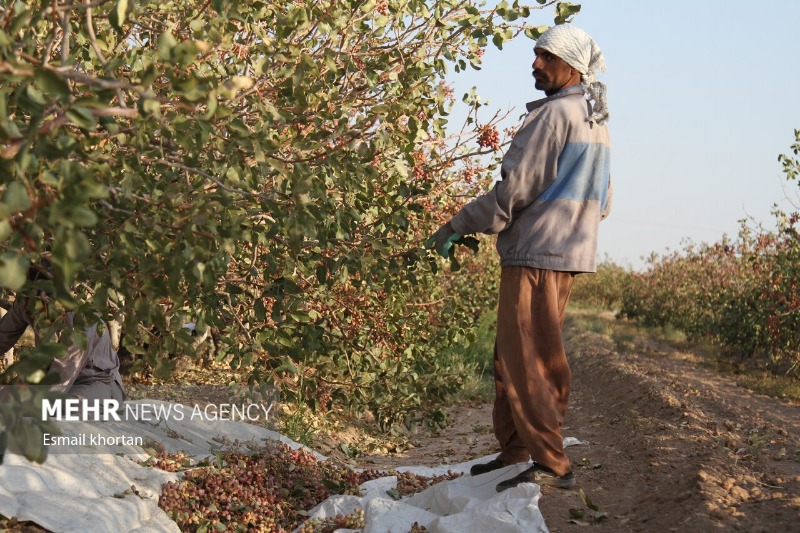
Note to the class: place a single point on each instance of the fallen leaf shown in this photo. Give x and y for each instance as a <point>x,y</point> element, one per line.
<point>578,522</point>
<point>576,513</point>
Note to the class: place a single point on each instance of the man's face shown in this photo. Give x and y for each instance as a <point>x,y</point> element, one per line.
<point>552,73</point>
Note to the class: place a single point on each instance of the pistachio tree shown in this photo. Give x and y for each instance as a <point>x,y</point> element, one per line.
<point>266,170</point>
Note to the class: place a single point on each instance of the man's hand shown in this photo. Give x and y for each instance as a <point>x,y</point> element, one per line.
<point>442,241</point>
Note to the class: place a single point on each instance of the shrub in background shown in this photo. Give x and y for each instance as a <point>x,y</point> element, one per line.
<point>741,293</point>
<point>603,289</point>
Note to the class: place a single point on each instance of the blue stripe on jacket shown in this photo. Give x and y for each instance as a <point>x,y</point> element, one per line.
<point>583,174</point>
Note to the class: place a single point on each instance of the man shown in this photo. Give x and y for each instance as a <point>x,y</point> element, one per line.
<point>91,373</point>
<point>554,191</point>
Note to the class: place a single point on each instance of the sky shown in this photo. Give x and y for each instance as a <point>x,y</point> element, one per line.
<point>704,95</point>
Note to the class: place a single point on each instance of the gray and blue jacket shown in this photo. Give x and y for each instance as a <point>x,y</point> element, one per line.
<point>555,188</point>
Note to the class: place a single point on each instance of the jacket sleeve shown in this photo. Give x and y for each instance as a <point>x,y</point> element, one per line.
<point>12,325</point>
<point>607,209</point>
<point>529,167</point>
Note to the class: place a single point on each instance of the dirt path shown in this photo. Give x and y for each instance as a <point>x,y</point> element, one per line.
<point>672,447</point>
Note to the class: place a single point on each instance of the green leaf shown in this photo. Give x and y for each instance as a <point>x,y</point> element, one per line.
<point>35,95</point>
<point>394,494</point>
<point>470,242</point>
<point>13,271</point>
<point>587,501</point>
<point>565,11</point>
<point>5,230</point>
<point>497,40</point>
<point>332,485</point>
<point>536,32</point>
<point>53,84</point>
<point>321,272</point>
<point>455,266</point>
<point>164,369</point>
<point>576,513</point>
<point>7,126</point>
<point>150,107</point>
<point>148,75</point>
<point>83,217</point>
<point>16,197</point>
<point>83,118</point>
<point>197,24</point>
<point>165,45</point>
<point>286,366</point>
<point>67,256</point>
<point>211,105</point>
<point>119,14</point>
<point>28,440</point>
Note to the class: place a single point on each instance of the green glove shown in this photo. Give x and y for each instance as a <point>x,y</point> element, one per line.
<point>443,240</point>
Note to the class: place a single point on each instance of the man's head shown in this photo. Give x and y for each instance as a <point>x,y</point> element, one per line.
<point>553,73</point>
<point>568,56</point>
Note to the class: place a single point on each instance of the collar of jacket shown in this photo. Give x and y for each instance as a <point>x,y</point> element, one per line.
<point>575,89</point>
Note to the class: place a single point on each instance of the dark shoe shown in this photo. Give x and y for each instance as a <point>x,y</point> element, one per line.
<point>482,468</point>
<point>542,476</point>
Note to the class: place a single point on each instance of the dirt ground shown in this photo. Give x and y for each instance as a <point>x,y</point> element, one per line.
<point>672,446</point>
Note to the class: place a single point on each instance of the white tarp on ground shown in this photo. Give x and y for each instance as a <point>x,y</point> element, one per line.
<point>465,504</point>
<point>80,492</point>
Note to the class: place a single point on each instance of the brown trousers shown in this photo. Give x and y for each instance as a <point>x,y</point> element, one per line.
<point>531,373</point>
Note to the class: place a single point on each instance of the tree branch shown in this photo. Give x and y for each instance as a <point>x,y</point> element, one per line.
<point>93,41</point>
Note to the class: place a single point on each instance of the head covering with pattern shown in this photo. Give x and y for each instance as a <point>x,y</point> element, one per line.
<point>579,50</point>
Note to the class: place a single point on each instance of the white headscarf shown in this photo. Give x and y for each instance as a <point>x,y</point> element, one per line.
<point>579,50</point>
